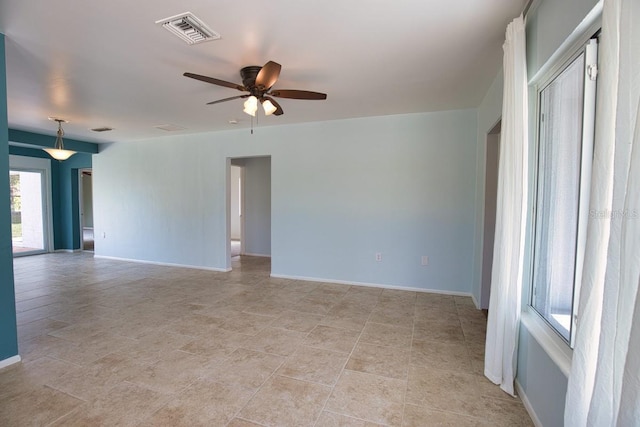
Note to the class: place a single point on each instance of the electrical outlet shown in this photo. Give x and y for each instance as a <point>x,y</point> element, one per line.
<point>104,234</point>
<point>378,256</point>
<point>425,260</point>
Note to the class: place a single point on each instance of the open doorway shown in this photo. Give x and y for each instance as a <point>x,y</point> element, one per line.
<point>85,194</point>
<point>28,217</point>
<point>235,212</point>
<point>490,199</point>
<point>248,208</point>
<point>30,202</point>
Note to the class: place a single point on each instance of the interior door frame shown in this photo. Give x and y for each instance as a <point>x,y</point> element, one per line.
<point>491,137</point>
<point>242,208</point>
<point>81,204</point>
<point>238,160</point>
<point>43,166</point>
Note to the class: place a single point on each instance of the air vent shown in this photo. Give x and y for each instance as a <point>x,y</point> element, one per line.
<point>102,129</point>
<point>189,28</point>
<point>169,128</point>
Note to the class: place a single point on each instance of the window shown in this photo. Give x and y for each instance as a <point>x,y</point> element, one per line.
<point>566,106</point>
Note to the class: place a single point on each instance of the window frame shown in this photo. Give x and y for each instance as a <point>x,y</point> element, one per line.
<point>587,47</point>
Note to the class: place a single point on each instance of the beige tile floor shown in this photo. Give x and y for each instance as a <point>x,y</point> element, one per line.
<point>113,343</point>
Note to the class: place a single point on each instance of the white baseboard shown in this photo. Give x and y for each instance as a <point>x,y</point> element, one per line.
<point>68,251</point>
<point>165,264</point>
<point>258,255</point>
<point>371,285</point>
<point>10,361</point>
<point>307,279</point>
<point>475,302</point>
<point>527,405</point>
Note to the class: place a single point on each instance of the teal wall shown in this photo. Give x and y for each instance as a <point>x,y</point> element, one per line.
<point>8,330</point>
<point>64,186</point>
<point>64,182</point>
<point>41,140</point>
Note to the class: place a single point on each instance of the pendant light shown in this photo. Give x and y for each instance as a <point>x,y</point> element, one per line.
<point>58,152</point>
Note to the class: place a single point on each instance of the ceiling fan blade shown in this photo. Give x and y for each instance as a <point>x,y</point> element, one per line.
<point>268,75</point>
<point>279,111</point>
<point>297,94</point>
<point>215,81</point>
<point>227,99</point>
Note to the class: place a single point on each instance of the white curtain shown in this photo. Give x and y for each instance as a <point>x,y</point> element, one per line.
<point>604,384</point>
<point>506,281</point>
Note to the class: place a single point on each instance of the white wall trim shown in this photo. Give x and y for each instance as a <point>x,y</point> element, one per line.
<point>372,285</point>
<point>166,264</point>
<point>68,251</point>
<point>258,255</point>
<point>527,405</point>
<point>475,301</point>
<point>10,361</point>
<point>558,350</point>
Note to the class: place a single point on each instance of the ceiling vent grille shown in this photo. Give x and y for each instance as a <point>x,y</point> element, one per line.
<point>170,127</point>
<point>189,28</point>
<point>102,129</point>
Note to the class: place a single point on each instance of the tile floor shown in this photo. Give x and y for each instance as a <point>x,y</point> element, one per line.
<point>114,343</point>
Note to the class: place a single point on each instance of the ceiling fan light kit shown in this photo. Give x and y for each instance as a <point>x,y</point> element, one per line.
<point>257,83</point>
<point>268,107</point>
<point>58,152</point>
<point>251,106</point>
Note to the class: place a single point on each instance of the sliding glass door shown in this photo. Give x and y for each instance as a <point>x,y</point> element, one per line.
<point>28,211</point>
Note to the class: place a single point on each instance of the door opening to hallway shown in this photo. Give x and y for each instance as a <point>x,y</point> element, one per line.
<point>86,209</point>
<point>235,212</point>
<point>490,198</point>
<point>248,208</point>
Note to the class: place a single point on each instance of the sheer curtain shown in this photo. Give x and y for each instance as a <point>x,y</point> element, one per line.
<point>604,384</point>
<point>504,304</point>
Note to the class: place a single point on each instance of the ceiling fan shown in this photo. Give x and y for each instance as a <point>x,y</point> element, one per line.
<point>257,82</point>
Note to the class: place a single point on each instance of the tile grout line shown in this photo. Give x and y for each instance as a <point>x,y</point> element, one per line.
<point>348,358</point>
<point>286,358</point>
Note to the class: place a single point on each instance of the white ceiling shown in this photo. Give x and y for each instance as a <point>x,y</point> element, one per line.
<point>108,64</point>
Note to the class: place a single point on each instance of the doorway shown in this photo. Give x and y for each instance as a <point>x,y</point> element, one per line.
<point>248,208</point>
<point>235,212</point>
<point>490,199</point>
<point>29,199</point>
<point>27,212</point>
<point>85,204</point>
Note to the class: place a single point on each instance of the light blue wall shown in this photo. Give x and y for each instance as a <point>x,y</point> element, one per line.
<point>545,385</point>
<point>257,189</point>
<point>8,331</point>
<point>341,191</point>
<point>549,25</point>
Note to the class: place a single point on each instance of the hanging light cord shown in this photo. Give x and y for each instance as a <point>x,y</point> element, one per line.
<point>59,143</point>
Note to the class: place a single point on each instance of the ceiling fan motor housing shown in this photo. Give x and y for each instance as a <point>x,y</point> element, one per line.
<point>249,75</point>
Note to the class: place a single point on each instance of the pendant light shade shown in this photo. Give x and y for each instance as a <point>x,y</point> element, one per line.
<point>58,152</point>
